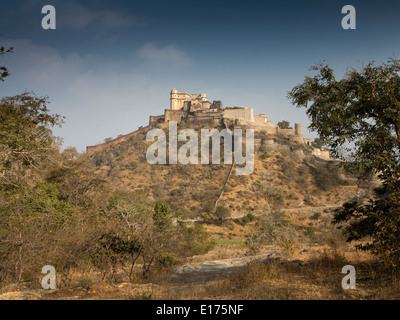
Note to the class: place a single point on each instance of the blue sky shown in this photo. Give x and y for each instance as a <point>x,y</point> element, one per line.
<point>109,65</point>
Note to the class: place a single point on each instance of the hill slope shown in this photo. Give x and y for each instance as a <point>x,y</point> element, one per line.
<point>285,176</point>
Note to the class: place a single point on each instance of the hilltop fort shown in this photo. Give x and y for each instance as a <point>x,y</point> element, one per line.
<point>196,109</point>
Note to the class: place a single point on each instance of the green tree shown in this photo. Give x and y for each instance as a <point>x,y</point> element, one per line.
<point>30,210</point>
<point>50,201</point>
<point>361,113</point>
<point>318,143</point>
<point>3,70</point>
<point>284,124</point>
<point>76,181</point>
<point>161,215</point>
<point>216,104</point>
<point>26,141</point>
<point>221,213</point>
<point>156,239</point>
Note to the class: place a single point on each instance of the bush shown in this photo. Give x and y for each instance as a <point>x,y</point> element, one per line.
<point>275,198</point>
<point>275,230</point>
<point>199,248</point>
<point>161,214</point>
<point>284,124</point>
<point>310,231</point>
<point>316,216</point>
<point>326,175</point>
<point>248,218</point>
<point>376,221</point>
<point>198,240</point>
<point>85,283</point>
<point>289,245</point>
<point>166,260</point>
<point>221,213</point>
<point>205,217</point>
<point>265,155</point>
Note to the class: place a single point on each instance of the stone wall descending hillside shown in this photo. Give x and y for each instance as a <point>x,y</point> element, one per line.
<point>93,149</point>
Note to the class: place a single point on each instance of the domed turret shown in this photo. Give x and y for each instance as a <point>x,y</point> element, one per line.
<point>174,101</point>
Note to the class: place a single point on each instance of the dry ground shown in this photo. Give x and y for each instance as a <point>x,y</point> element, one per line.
<point>311,272</point>
<point>319,279</point>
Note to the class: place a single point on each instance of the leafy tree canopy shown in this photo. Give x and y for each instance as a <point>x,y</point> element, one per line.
<point>362,110</point>
<point>319,143</point>
<point>3,70</point>
<point>284,124</point>
<point>361,113</point>
<point>26,139</point>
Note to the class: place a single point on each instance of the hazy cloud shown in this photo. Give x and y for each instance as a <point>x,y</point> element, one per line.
<point>169,54</point>
<point>71,14</point>
<point>98,99</point>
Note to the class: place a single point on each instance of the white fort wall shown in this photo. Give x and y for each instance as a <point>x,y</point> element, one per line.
<point>239,114</point>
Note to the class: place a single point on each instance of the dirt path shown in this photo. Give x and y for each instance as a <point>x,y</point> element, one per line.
<point>309,209</point>
<point>305,210</point>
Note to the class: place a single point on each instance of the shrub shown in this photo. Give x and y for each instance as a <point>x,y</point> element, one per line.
<point>265,155</point>
<point>166,260</point>
<point>221,213</point>
<point>198,239</point>
<point>248,218</point>
<point>310,231</point>
<point>326,175</point>
<point>205,217</point>
<point>275,230</point>
<point>289,246</point>
<point>161,214</point>
<point>133,165</point>
<point>85,283</point>
<point>316,216</point>
<point>284,124</point>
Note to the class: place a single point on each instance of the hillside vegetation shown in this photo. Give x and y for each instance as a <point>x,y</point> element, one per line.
<point>280,180</point>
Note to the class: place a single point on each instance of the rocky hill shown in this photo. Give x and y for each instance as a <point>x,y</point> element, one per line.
<point>286,175</point>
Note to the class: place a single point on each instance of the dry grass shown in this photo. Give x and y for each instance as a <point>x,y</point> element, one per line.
<point>318,279</point>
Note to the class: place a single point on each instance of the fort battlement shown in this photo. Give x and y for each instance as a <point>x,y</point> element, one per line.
<point>196,109</point>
